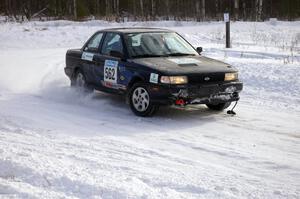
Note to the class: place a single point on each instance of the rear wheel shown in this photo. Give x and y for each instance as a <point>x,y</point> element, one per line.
<point>140,101</point>
<point>79,82</point>
<point>218,107</point>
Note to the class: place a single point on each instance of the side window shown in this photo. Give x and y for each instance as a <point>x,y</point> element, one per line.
<point>112,42</point>
<point>94,43</point>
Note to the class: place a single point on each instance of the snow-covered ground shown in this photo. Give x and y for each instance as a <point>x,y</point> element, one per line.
<point>56,143</point>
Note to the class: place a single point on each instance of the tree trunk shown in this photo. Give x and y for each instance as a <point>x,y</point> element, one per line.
<point>117,10</point>
<point>244,10</point>
<point>217,8</point>
<point>236,9</point>
<point>26,10</point>
<point>7,7</point>
<point>259,6</point>
<point>107,9</point>
<point>134,9</point>
<point>203,10</point>
<point>116,7</point>
<point>142,8</point>
<point>197,10</point>
<point>153,9</point>
<point>75,9</point>
<point>168,9</point>
<point>97,7</point>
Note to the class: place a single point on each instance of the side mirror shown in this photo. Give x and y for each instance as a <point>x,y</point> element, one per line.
<point>117,54</point>
<point>199,50</point>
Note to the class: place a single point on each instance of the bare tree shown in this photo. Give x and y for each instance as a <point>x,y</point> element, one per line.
<point>116,7</point>
<point>203,9</point>
<point>153,7</point>
<point>259,6</point>
<point>107,8</point>
<point>150,9</point>
<point>98,6</point>
<point>236,9</point>
<point>142,7</point>
<point>217,8</point>
<point>168,8</point>
<point>244,10</point>
<point>75,9</point>
<point>198,10</point>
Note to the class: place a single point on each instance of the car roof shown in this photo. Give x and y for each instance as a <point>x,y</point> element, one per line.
<point>135,30</point>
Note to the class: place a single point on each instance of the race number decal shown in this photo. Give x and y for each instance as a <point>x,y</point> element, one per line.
<point>110,71</point>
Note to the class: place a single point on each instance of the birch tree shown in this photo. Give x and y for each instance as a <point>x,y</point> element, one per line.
<point>259,6</point>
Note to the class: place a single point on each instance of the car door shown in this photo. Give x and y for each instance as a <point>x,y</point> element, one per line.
<point>89,54</point>
<point>107,65</point>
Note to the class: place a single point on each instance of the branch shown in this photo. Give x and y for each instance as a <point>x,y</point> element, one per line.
<point>39,12</point>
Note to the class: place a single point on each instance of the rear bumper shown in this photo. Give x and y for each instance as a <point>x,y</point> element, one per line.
<point>68,71</point>
<point>196,94</point>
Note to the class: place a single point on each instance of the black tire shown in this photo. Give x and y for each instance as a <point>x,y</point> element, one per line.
<point>218,107</point>
<point>79,82</point>
<point>140,101</point>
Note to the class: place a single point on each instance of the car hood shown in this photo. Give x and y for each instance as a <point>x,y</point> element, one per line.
<point>184,65</point>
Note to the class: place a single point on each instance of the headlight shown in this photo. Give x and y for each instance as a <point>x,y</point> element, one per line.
<point>174,79</point>
<point>231,76</point>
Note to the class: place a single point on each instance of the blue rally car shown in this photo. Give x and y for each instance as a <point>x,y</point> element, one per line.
<point>151,67</point>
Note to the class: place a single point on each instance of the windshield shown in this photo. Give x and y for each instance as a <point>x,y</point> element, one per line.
<point>157,44</point>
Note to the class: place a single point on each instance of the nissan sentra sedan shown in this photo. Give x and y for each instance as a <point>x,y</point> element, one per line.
<point>152,68</point>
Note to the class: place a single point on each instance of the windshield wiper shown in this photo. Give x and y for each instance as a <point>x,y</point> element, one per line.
<point>180,54</point>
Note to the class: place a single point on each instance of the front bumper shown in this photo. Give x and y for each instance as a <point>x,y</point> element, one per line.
<point>196,94</point>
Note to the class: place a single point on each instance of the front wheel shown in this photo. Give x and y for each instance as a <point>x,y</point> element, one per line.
<point>140,101</point>
<point>218,107</point>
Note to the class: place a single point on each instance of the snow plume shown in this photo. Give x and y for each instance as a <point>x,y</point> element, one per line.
<point>31,70</point>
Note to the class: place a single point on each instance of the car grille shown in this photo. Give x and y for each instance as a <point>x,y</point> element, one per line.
<point>206,78</point>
